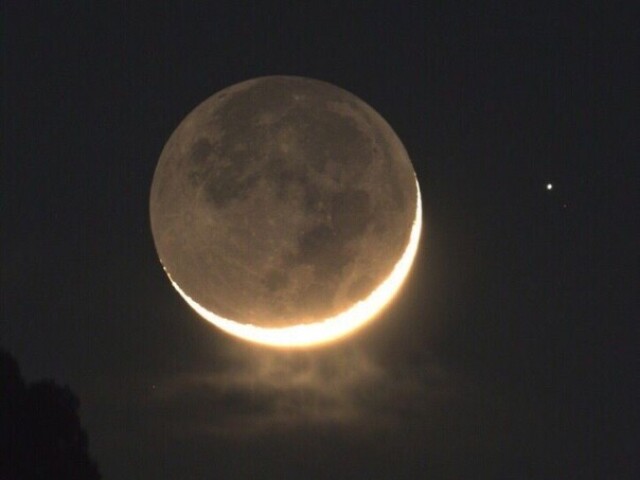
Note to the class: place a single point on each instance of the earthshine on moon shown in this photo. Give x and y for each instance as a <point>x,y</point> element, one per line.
<point>285,211</point>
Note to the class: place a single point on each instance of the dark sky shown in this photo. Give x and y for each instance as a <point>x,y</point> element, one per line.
<point>510,353</point>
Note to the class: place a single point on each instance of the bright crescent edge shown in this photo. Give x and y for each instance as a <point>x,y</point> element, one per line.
<point>332,328</point>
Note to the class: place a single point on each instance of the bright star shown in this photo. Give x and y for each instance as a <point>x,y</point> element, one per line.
<point>549,186</point>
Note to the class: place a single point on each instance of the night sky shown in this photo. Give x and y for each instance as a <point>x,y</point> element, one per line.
<point>511,352</point>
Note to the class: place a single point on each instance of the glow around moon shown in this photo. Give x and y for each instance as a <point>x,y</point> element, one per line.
<point>330,329</point>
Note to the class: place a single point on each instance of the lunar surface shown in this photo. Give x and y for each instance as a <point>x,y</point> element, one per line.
<point>282,202</point>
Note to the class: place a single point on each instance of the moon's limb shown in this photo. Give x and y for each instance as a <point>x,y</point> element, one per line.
<point>333,328</point>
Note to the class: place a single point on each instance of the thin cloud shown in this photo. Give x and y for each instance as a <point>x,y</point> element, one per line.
<point>253,391</point>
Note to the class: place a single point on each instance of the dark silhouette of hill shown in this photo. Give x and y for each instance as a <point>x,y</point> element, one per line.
<point>40,433</point>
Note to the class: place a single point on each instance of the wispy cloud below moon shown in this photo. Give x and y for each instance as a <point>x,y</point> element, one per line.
<point>256,390</point>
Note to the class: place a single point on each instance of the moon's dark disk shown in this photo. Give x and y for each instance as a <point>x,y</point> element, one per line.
<point>282,200</point>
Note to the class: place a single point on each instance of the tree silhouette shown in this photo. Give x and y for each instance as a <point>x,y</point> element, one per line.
<point>40,433</point>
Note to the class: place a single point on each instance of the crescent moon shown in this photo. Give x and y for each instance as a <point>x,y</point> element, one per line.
<point>330,329</point>
<point>282,209</point>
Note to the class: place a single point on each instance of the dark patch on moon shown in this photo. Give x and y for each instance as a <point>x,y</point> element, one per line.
<point>275,280</point>
<point>229,185</point>
<point>200,151</point>
<point>350,222</point>
<point>281,200</point>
